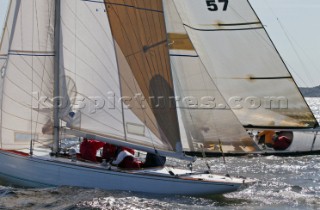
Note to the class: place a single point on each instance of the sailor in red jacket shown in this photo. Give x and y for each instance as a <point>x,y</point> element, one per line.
<point>89,148</point>
<point>281,143</point>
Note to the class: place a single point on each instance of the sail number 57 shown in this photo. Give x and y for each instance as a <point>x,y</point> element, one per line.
<point>214,5</point>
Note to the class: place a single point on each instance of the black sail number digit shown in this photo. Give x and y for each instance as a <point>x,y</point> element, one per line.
<point>212,5</point>
<point>225,6</point>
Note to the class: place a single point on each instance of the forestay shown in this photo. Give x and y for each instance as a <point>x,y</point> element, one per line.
<point>238,54</point>
<point>204,116</point>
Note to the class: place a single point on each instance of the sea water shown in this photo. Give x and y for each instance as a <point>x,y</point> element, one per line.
<point>284,183</point>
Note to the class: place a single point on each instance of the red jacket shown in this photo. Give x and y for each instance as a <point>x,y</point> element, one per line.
<point>89,148</point>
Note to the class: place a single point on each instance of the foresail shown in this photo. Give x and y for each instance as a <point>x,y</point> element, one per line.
<point>238,54</point>
<point>140,37</point>
<point>104,75</point>
<point>27,76</point>
<point>205,119</point>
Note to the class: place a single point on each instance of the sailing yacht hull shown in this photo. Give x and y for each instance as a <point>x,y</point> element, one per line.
<point>304,143</point>
<point>36,172</point>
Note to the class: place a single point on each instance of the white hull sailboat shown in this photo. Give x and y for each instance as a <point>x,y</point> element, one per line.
<point>51,171</point>
<point>98,70</point>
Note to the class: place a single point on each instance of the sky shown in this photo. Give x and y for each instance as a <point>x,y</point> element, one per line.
<point>293,26</point>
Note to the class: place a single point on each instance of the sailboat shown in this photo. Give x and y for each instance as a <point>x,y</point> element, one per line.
<point>239,84</point>
<point>98,70</point>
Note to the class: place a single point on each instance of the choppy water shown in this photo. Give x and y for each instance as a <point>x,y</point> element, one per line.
<point>284,183</point>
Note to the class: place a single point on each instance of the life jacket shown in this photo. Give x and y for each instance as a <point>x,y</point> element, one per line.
<point>89,148</point>
<point>282,143</point>
<point>110,152</point>
<point>126,159</point>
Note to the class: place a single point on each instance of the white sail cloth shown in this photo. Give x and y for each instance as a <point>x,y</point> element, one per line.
<point>238,54</point>
<point>99,79</point>
<point>27,74</point>
<point>205,119</point>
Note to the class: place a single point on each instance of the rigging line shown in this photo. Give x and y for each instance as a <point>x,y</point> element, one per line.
<point>22,72</point>
<point>92,34</point>
<point>76,77</point>
<point>189,136</point>
<point>23,90</point>
<point>46,47</point>
<point>93,70</point>
<point>138,40</point>
<point>21,118</point>
<point>106,35</point>
<point>32,69</point>
<point>5,26</point>
<point>275,15</point>
<point>14,9</point>
<point>284,64</point>
<point>44,68</point>
<point>95,87</point>
<point>295,50</point>
<point>108,113</point>
<point>92,52</point>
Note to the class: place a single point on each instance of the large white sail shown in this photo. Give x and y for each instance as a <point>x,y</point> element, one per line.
<point>104,74</point>
<point>27,75</point>
<point>242,60</point>
<point>205,119</point>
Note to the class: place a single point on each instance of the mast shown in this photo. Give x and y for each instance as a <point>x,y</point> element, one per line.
<point>56,92</point>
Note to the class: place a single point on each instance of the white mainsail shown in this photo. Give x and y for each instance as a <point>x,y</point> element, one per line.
<point>205,119</point>
<point>27,74</point>
<point>238,54</point>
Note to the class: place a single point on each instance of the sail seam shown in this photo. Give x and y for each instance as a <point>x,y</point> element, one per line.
<point>286,77</point>
<point>223,29</point>
<point>183,55</point>
<point>238,24</point>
